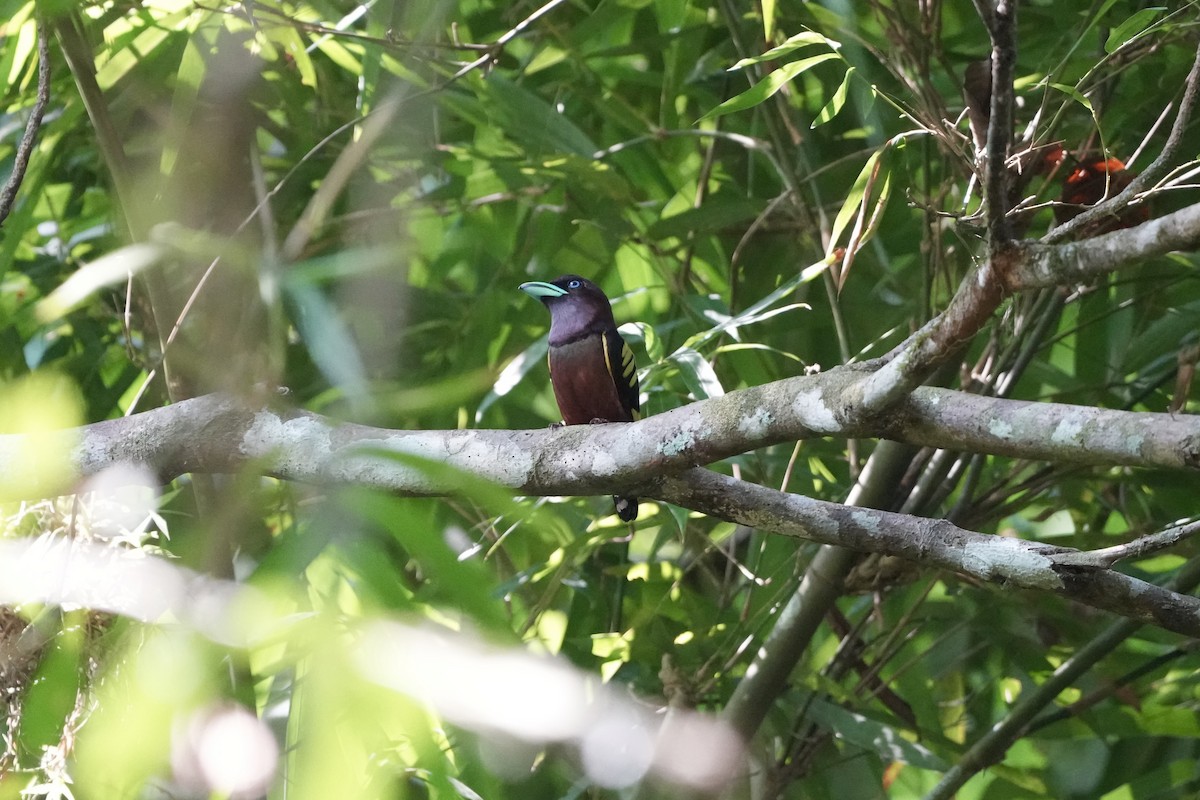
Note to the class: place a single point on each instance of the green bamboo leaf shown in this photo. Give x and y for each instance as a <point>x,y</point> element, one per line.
<point>1160,339</point>
<point>1131,28</point>
<point>108,270</point>
<point>874,736</point>
<point>1074,94</point>
<point>533,122</point>
<point>21,48</point>
<point>835,103</point>
<point>753,313</point>
<point>717,214</point>
<point>768,86</point>
<point>54,689</point>
<point>698,374</point>
<point>530,358</point>
<point>794,43</point>
<point>336,52</point>
<point>462,583</point>
<point>769,8</point>
<point>290,41</point>
<point>743,346</point>
<point>852,205</point>
<point>864,226</point>
<point>328,338</point>
<point>650,338</point>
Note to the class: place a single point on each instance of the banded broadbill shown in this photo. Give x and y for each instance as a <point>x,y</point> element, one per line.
<point>592,369</point>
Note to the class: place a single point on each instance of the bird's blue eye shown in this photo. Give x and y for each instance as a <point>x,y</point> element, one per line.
<point>574,285</point>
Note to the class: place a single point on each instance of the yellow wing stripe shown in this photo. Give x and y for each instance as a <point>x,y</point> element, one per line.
<point>628,367</point>
<point>607,362</point>
<point>629,370</point>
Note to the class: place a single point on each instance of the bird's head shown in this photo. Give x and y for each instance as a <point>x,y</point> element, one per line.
<point>577,306</point>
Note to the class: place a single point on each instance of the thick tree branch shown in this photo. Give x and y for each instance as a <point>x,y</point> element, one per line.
<point>972,306</point>
<point>1047,431</point>
<point>216,434</point>
<point>937,543</point>
<point>1039,265</point>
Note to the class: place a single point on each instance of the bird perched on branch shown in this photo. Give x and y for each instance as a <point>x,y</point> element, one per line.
<point>591,367</point>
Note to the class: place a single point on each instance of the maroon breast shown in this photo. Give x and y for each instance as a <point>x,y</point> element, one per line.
<point>583,386</point>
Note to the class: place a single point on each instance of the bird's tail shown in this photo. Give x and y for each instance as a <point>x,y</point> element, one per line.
<point>627,507</point>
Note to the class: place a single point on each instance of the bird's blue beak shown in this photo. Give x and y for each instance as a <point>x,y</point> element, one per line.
<point>542,289</point>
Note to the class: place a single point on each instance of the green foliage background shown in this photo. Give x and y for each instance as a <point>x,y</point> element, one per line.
<point>595,141</point>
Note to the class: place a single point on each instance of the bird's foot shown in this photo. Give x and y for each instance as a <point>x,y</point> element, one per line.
<point>554,425</point>
<point>598,421</point>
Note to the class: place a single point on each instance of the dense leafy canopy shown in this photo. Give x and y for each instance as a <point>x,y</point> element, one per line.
<point>343,202</point>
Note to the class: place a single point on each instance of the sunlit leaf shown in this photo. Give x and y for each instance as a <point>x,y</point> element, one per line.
<point>35,455</point>
<point>768,13</point>
<point>1136,24</point>
<point>1074,94</point>
<point>532,357</point>
<point>109,270</point>
<point>793,43</point>
<point>698,374</point>
<point>16,58</point>
<point>889,742</point>
<point>834,106</point>
<point>769,85</point>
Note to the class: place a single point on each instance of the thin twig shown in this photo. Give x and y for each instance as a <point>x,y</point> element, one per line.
<point>1004,58</point>
<point>8,195</point>
<point>495,49</point>
<point>1106,557</point>
<point>1110,689</point>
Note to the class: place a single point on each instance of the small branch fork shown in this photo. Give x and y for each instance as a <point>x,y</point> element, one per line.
<point>1138,548</point>
<point>983,290</point>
